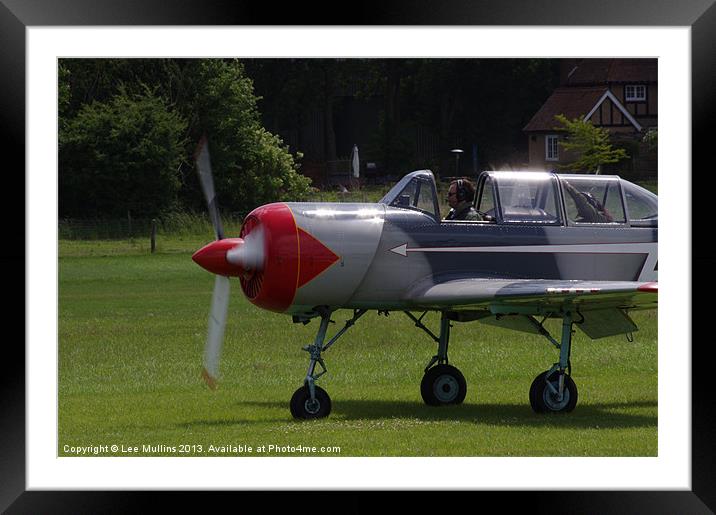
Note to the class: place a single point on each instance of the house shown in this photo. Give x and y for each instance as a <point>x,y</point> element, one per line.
<point>618,94</point>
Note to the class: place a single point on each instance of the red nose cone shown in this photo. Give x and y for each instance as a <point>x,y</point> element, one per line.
<point>212,257</point>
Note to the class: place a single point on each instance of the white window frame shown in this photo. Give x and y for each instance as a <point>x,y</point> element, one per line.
<point>635,96</point>
<point>551,152</point>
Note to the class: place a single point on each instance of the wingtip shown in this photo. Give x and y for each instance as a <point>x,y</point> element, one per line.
<point>208,379</point>
<point>649,287</point>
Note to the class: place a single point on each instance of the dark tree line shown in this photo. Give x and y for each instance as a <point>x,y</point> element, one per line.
<point>128,127</point>
<point>460,101</point>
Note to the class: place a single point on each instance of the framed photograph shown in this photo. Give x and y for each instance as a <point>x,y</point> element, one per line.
<point>54,460</point>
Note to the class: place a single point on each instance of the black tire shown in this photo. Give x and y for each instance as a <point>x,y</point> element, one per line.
<point>543,400</point>
<point>443,385</point>
<point>303,408</point>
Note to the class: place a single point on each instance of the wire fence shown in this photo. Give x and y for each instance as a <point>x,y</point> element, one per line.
<point>179,224</point>
<point>127,229</point>
<point>192,223</point>
<point>103,229</point>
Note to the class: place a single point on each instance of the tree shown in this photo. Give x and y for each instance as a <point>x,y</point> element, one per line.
<point>589,143</point>
<point>63,87</point>
<point>651,138</point>
<point>111,112</point>
<point>120,156</point>
<point>251,166</point>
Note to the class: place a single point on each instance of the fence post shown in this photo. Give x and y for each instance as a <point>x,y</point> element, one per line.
<point>154,235</point>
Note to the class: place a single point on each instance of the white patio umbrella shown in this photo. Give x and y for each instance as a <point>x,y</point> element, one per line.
<point>355,162</point>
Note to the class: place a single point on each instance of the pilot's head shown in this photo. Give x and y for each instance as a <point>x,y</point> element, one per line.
<point>460,190</point>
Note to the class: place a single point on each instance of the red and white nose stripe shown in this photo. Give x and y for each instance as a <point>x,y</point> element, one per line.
<point>273,258</point>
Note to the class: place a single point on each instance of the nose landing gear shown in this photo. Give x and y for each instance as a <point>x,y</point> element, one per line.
<point>310,400</point>
<point>304,406</point>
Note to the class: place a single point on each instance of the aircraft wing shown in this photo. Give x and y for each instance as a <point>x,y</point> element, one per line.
<point>542,295</point>
<point>601,307</point>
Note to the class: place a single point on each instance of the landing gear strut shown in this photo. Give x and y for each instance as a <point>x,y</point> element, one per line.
<point>312,401</point>
<point>442,384</point>
<point>554,391</point>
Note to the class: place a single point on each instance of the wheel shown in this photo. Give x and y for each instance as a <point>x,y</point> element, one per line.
<point>304,408</point>
<point>543,400</point>
<point>443,384</point>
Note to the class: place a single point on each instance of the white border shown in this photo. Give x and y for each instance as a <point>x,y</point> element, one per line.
<point>671,470</point>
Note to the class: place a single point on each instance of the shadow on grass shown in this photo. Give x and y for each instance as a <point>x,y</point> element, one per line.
<point>597,415</point>
<point>493,414</point>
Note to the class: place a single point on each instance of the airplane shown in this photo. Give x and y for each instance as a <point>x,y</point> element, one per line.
<point>575,247</point>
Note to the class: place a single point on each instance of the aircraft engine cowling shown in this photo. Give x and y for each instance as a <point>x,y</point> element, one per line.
<point>273,286</point>
<point>315,253</point>
<point>350,231</point>
<point>294,257</point>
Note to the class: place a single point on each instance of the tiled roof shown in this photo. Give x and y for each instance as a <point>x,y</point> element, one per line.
<point>573,102</point>
<point>602,71</point>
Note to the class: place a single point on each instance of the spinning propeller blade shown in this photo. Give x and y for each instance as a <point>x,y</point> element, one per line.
<point>224,257</point>
<point>203,166</point>
<point>217,324</point>
<point>222,287</point>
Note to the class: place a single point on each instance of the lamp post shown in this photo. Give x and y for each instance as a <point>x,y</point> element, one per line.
<point>457,152</point>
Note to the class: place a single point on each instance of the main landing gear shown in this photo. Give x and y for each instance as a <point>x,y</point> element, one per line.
<point>442,383</point>
<point>552,391</point>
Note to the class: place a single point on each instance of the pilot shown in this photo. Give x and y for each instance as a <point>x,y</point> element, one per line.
<point>460,196</point>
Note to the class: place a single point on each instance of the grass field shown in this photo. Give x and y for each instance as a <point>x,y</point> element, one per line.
<point>131,333</point>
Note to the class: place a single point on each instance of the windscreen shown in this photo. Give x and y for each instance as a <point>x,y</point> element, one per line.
<point>642,204</point>
<point>415,191</point>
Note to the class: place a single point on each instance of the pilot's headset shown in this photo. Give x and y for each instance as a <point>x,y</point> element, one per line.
<point>462,192</point>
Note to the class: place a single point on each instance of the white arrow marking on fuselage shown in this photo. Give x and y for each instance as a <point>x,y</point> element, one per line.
<point>604,248</point>
<point>402,250</point>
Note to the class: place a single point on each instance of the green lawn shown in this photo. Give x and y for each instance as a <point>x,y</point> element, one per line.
<point>131,335</point>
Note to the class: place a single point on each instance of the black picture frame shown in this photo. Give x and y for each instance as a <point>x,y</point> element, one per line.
<point>17,15</point>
